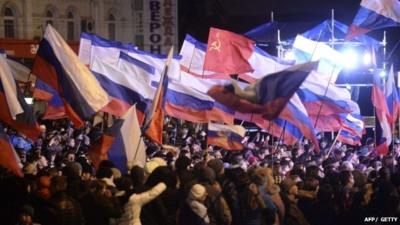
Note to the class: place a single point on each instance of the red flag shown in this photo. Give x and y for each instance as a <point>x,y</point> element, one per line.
<point>8,157</point>
<point>153,126</point>
<point>228,52</point>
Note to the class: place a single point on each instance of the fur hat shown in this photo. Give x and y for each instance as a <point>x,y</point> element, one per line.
<point>197,192</point>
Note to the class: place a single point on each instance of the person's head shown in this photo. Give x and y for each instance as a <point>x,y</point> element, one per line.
<point>104,172</point>
<point>197,193</point>
<point>26,215</point>
<point>70,157</point>
<point>347,179</point>
<point>137,175</point>
<point>289,186</point>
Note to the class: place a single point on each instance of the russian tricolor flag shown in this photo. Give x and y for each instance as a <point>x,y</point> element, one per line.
<point>122,144</point>
<point>268,96</point>
<point>352,130</point>
<point>188,100</point>
<point>58,66</point>
<point>316,91</point>
<point>154,123</point>
<point>228,137</point>
<point>55,106</point>
<point>15,111</point>
<point>8,157</point>
<point>375,14</point>
<point>384,122</point>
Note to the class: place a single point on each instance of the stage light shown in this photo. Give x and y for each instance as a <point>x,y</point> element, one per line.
<point>350,58</point>
<point>29,101</point>
<point>367,59</point>
<point>382,73</point>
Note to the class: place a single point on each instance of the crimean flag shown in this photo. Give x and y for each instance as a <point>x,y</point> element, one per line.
<point>228,137</point>
<point>268,96</point>
<point>8,157</point>
<point>228,52</point>
<point>58,66</point>
<point>374,14</point>
<point>15,111</point>
<point>153,125</point>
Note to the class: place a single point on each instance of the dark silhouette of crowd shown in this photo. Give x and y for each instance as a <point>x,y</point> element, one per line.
<point>190,183</point>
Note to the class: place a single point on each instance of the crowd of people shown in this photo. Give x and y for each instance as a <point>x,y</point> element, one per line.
<point>188,182</point>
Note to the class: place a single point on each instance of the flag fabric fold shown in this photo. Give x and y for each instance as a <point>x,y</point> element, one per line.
<point>58,66</point>
<point>122,143</point>
<point>8,157</point>
<point>15,111</point>
<point>228,137</point>
<point>374,14</point>
<point>193,54</point>
<point>125,89</point>
<point>268,96</point>
<point>383,123</point>
<point>153,125</point>
<point>228,52</point>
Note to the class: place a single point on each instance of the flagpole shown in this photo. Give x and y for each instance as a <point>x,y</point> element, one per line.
<point>334,142</point>
<point>191,58</point>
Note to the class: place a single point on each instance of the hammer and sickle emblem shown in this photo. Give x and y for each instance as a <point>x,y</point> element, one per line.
<point>216,45</point>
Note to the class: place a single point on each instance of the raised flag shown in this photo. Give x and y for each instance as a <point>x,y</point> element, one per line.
<point>8,157</point>
<point>122,143</point>
<point>330,61</point>
<point>193,53</point>
<point>383,123</point>
<point>58,66</point>
<point>125,89</point>
<point>352,130</point>
<point>268,96</point>
<point>228,137</point>
<point>153,125</point>
<point>374,14</point>
<point>158,62</point>
<point>92,46</point>
<point>228,52</point>
<point>55,106</point>
<point>264,64</point>
<point>317,91</point>
<point>392,97</point>
<point>15,111</point>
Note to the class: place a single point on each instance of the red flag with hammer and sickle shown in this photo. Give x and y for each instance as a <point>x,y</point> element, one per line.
<point>228,52</point>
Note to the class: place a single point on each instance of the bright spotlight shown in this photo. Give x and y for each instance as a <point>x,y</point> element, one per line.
<point>350,58</point>
<point>29,101</point>
<point>382,74</point>
<point>367,59</point>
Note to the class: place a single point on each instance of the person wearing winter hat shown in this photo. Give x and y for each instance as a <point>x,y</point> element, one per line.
<point>293,213</point>
<point>193,210</point>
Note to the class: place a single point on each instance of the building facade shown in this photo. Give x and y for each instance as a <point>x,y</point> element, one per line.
<point>149,23</point>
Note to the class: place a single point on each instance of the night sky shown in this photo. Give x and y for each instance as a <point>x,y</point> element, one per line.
<point>197,16</point>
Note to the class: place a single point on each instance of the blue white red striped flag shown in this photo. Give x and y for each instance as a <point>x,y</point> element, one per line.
<point>375,14</point>
<point>228,137</point>
<point>58,66</point>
